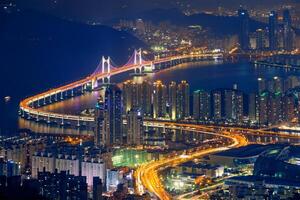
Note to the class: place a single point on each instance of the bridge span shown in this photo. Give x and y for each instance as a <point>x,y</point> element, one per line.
<point>29,107</point>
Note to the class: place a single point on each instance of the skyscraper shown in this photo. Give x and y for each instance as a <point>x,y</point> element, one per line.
<point>217,104</point>
<point>290,83</point>
<point>140,26</point>
<point>273,30</point>
<point>135,127</point>
<point>97,188</point>
<point>261,85</point>
<point>288,108</point>
<point>132,95</point>
<point>238,107</point>
<point>201,105</point>
<point>172,102</point>
<point>129,91</point>
<point>252,100</point>
<point>99,120</point>
<point>159,99</point>
<point>146,98</point>
<point>260,40</point>
<point>229,102</point>
<point>277,84</point>
<point>113,116</point>
<point>263,108</point>
<point>275,108</point>
<point>287,31</point>
<point>234,109</point>
<point>244,29</point>
<point>183,100</point>
<point>137,95</point>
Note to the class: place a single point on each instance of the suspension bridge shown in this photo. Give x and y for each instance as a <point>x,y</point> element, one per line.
<point>29,107</point>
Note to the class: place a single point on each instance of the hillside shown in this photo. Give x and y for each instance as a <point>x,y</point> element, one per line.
<point>42,51</point>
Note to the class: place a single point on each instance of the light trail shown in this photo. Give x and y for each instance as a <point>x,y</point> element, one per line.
<point>147,175</point>
<point>25,104</point>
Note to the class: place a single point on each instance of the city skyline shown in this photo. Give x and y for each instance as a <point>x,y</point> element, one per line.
<point>154,100</point>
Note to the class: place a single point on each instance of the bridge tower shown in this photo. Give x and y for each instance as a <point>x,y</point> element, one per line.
<point>138,60</point>
<point>103,68</point>
<point>106,68</point>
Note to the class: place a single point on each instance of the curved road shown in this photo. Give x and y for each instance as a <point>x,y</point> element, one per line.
<point>146,176</point>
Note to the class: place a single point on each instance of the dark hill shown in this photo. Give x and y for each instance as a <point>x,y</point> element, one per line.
<point>38,51</point>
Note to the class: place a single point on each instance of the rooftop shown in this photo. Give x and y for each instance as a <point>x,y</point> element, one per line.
<point>266,180</point>
<point>247,151</point>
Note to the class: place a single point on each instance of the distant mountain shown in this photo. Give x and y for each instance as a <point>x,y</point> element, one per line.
<point>38,51</point>
<point>219,24</point>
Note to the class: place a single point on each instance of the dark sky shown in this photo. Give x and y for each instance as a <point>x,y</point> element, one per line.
<point>107,9</point>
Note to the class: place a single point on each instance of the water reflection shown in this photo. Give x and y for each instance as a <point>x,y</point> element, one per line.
<point>52,128</point>
<point>207,75</point>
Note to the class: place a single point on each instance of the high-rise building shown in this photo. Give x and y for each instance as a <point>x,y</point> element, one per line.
<point>9,168</point>
<point>140,26</point>
<point>287,31</point>
<point>62,186</point>
<point>146,98</point>
<point>288,108</point>
<point>201,105</point>
<point>159,99</point>
<point>229,102</point>
<point>273,30</point>
<point>252,100</point>
<point>234,109</point>
<point>275,85</point>
<point>278,87</point>
<point>97,188</point>
<point>70,163</point>
<point>261,85</point>
<point>290,83</point>
<point>183,100</point>
<point>92,164</point>
<point>238,107</point>
<point>113,116</point>
<point>135,127</point>
<point>99,120</point>
<point>263,108</point>
<point>275,108</point>
<point>42,161</point>
<point>217,104</point>
<point>260,40</point>
<point>172,102</point>
<point>137,95</point>
<point>129,95</point>
<point>93,167</point>
<point>196,105</point>
<point>244,29</point>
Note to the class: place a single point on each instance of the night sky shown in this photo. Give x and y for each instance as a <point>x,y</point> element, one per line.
<point>103,10</point>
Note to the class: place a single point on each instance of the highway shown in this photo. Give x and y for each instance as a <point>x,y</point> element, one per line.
<point>25,105</point>
<point>147,178</point>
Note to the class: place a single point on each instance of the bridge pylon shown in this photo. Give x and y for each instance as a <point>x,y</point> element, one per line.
<point>106,68</point>
<point>138,60</point>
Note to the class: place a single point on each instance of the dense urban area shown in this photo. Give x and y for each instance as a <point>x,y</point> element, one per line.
<point>147,129</point>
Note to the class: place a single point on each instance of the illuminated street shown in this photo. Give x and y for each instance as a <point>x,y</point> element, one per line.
<point>147,175</point>
<point>149,100</point>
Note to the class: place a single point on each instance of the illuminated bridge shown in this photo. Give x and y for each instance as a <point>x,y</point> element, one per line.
<point>29,107</point>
